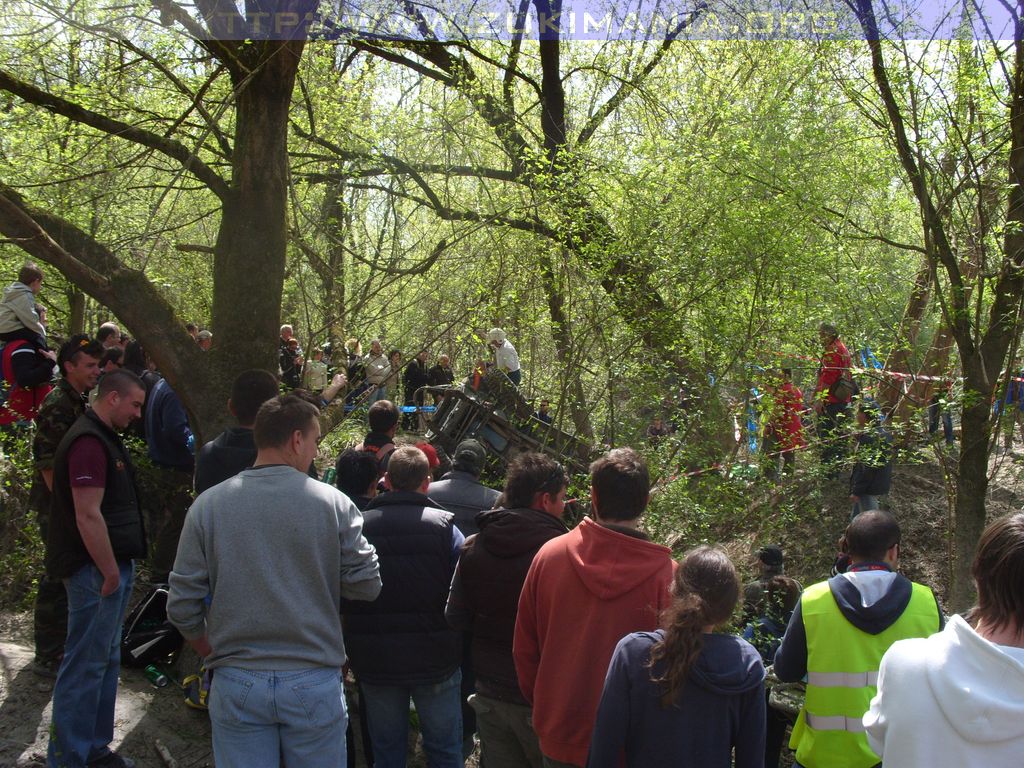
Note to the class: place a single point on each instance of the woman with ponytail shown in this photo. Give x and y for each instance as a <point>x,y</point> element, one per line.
<point>684,696</point>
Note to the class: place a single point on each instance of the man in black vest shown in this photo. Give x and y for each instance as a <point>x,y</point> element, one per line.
<point>96,531</point>
<point>400,645</point>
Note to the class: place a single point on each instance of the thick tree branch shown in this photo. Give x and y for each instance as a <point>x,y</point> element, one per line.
<point>512,65</point>
<point>17,223</point>
<point>419,269</point>
<point>392,164</point>
<point>453,214</point>
<point>223,47</point>
<point>169,147</point>
<point>194,248</point>
<point>384,52</point>
<point>93,268</point>
<point>461,171</point>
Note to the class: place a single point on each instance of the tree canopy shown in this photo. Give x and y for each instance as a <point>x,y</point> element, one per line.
<point>637,214</point>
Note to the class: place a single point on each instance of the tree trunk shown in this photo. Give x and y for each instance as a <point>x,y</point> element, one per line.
<point>971,487</point>
<point>576,399</point>
<point>906,337</point>
<point>76,319</point>
<point>249,255</point>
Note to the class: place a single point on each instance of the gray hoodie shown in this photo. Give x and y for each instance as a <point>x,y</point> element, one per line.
<point>18,310</point>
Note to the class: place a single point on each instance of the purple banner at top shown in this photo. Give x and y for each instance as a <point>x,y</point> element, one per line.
<point>607,20</point>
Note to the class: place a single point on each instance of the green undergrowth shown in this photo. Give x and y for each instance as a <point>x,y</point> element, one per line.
<point>21,549</point>
<point>740,510</point>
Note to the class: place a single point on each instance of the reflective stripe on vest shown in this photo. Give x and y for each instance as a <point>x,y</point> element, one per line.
<point>835,723</point>
<point>842,679</point>
<point>842,675</point>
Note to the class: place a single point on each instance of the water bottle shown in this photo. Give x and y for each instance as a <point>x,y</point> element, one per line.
<point>156,677</point>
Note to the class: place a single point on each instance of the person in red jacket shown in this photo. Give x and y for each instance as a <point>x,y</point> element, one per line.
<point>832,407</point>
<point>584,592</point>
<point>784,432</point>
<point>26,368</point>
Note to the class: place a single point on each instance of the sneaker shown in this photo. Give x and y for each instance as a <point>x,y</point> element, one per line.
<point>45,668</point>
<point>111,760</point>
<point>197,689</point>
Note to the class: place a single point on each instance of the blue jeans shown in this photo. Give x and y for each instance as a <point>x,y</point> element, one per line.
<point>439,707</point>
<point>83,696</point>
<point>516,376</point>
<point>380,392</point>
<point>264,719</point>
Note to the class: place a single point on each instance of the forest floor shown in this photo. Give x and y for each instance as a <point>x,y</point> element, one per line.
<point>147,715</point>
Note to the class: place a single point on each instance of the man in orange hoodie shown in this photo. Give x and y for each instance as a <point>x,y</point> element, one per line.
<point>583,593</point>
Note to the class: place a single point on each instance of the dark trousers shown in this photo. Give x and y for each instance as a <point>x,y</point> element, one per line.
<point>935,412</point>
<point>833,422</point>
<point>168,499</point>
<point>50,615</point>
<point>775,734</point>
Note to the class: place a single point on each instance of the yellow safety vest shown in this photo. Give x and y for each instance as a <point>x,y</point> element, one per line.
<point>842,676</point>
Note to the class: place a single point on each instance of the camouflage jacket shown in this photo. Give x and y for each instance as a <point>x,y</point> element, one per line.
<point>59,411</point>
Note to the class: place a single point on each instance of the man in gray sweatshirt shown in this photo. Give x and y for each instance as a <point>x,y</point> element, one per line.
<point>275,551</point>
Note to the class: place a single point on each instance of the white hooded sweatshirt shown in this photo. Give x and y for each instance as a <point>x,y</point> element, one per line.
<point>18,310</point>
<point>952,699</point>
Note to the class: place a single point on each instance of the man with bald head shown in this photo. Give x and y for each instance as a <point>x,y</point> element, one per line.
<point>837,636</point>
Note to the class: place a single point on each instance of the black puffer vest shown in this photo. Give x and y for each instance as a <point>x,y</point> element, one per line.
<point>402,638</point>
<point>65,551</point>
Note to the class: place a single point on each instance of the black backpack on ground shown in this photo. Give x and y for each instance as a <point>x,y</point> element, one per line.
<point>148,637</point>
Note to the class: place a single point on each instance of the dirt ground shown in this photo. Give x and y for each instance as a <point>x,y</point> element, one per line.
<point>147,715</point>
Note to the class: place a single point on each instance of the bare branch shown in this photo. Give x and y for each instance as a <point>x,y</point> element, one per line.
<point>626,88</point>
<point>169,147</point>
<point>194,248</point>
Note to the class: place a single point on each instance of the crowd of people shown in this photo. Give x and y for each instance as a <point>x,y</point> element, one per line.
<point>590,646</point>
<point>849,425</point>
<point>375,376</point>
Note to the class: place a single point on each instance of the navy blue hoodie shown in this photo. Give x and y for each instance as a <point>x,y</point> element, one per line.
<point>721,707</point>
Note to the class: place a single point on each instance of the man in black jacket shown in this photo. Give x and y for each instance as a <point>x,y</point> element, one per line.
<point>441,375</point>
<point>96,532</point>
<point>460,491</point>
<point>355,475</point>
<point>234,449</point>
<point>485,597</point>
<point>400,645</point>
<point>414,378</point>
